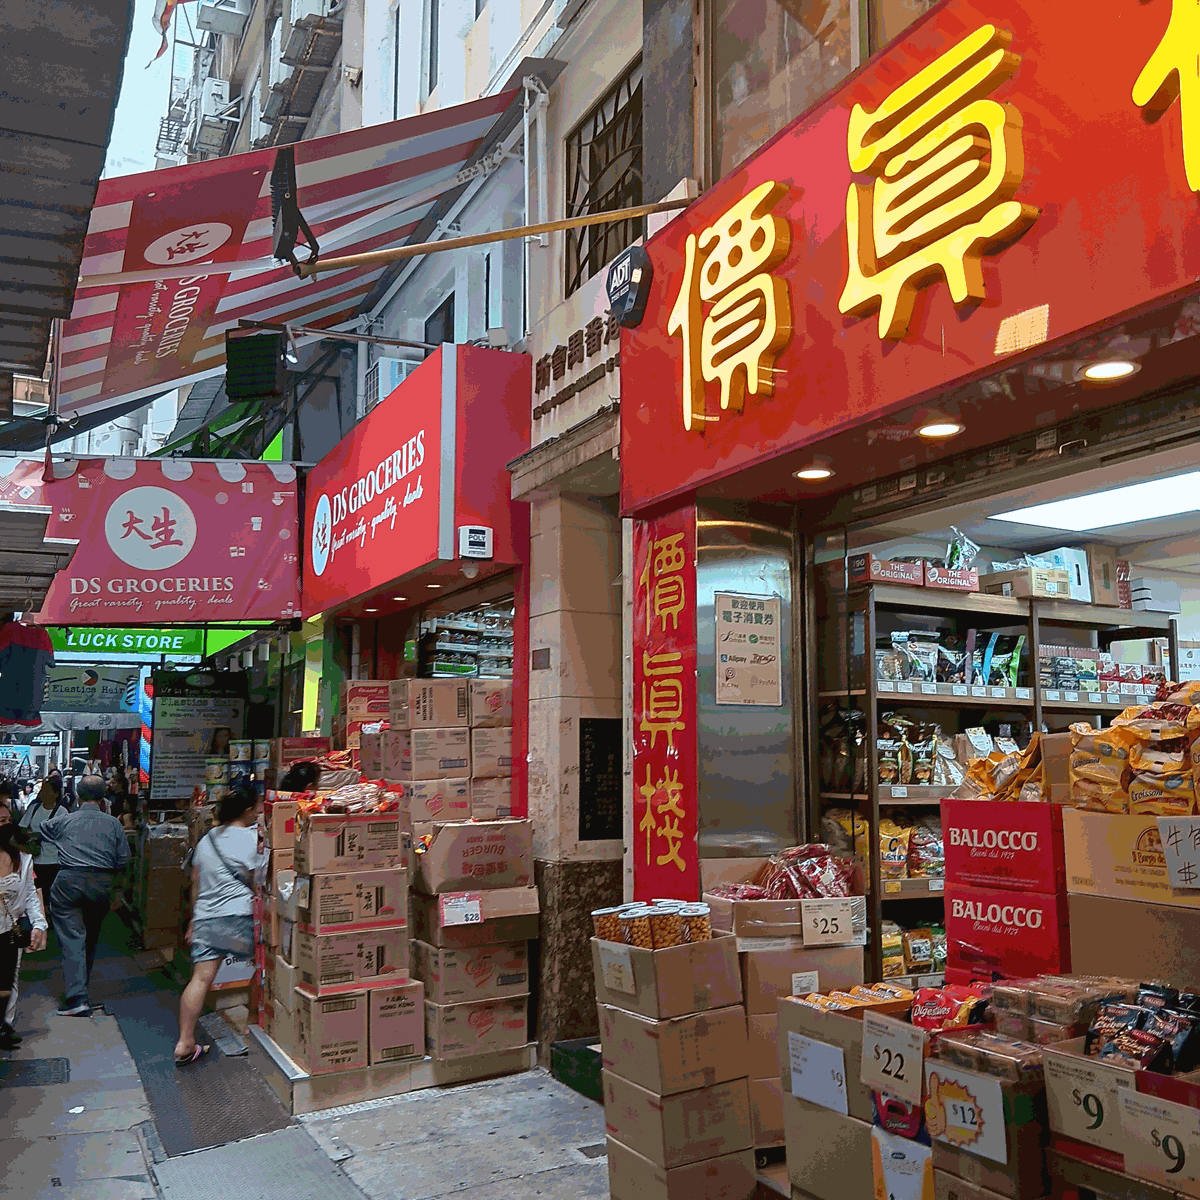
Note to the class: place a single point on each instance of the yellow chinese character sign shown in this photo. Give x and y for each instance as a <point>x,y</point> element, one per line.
<point>748,320</point>
<point>945,162</point>
<point>1173,73</point>
<point>664,708</point>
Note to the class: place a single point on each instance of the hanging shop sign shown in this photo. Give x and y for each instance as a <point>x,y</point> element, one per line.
<point>953,205</point>
<point>748,634</point>
<point>429,459</point>
<point>665,820</point>
<point>171,642</point>
<point>168,540</point>
<point>196,715</point>
<point>90,690</point>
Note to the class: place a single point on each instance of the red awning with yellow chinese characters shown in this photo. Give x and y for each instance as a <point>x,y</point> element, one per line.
<point>359,191</point>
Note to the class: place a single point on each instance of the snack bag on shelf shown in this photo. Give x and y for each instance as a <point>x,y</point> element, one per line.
<point>893,849</point>
<point>891,940</point>
<point>1162,795</point>
<point>842,828</point>
<point>926,850</point>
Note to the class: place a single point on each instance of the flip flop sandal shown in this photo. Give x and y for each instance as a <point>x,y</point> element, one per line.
<point>195,1056</point>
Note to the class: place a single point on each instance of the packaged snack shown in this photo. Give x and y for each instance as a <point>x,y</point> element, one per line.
<point>938,942</point>
<point>923,653</point>
<point>918,951</point>
<point>1011,997</point>
<point>894,991</point>
<point>947,771</point>
<point>842,828</point>
<point>924,751</point>
<point>1011,1025</point>
<point>1063,1002</point>
<point>1013,1061</point>
<point>888,758</point>
<point>1138,1049</point>
<point>1100,756</point>
<point>890,664</point>
<point>606,923</point>
<point>951,662</point>
<point>960,1049</point>
<point>1161,795</point>
<point>1181,1031</point>
<point>826,876</point>
<point>666,926</point>
<point>926,850</point>
<point>1157,995</point>
<point>892,946</point>
<point>1045,1033</point>
<point>843,758</point>
<point>972,744</point>
<point>635,927</point>
<point>948,1007</point>
<point>893,849</point>
<point>849,999</point>
<point>1114,1017</point>
<point>697,922</point>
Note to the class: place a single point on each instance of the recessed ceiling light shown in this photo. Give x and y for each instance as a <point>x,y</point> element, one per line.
<point>433,585</point>
<point>937,427</point>
<point>370,610</point>
<point>816,470</point>
<point>1111,370</point>
<point>399,597</point>
<point>1148,501</point>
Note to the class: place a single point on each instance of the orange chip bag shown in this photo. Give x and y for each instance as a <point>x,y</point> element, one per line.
<point>1162,795</point>
<point>893,849</point>
<point>1099,797</point>
<point>1100,755</point>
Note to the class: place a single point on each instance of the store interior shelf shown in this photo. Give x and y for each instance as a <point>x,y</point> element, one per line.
<point>914,794</point>
<point>964,603</point>
<point>1093,701</point>
<point>1058,612</point>
<point>913,889</point>
<point>909,691</point>
<point>842,694</point>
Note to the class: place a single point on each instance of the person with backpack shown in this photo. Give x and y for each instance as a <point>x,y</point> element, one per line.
<point>45,854</point>
<point>224,864</point>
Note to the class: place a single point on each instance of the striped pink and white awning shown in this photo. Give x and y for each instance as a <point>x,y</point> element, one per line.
<point>360,190</point>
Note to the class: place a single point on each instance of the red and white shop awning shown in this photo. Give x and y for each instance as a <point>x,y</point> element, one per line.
<point>359,191</point>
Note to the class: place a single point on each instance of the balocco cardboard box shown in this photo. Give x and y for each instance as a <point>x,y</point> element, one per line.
<point>674,1130</point>
<point>480,973</point>
<point>491,798</point>
<point>396,1025</point>
<point>769,974</point>
<point>829,1155</point>
<point>632,1176</point>
<point>482,1025</point>
<point>331,1032</point>
<point>675,1055</point>
<point>491,702</point>
<point>328,963</point>
<point>491,752</point>
<point>465,919</point>
<point>438,800</point>
<point>1016,934</point>
<point>428,703</point>
<point>343,902</point>
<point>1016,847</point>
<point>476,855</point>
<point>426,754</point>
<point>340,842</point>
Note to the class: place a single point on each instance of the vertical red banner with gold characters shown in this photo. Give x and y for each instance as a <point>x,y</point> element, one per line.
<point>666,855</point>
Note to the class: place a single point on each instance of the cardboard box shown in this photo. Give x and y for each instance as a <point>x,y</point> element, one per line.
<point>363,700</point>
<point>284,978</point>
<point>950,1187</point>
<point>490,702</point>
<point>828,1155</point>
<point>286,751</point>
<point>842,1031</point>
<point>1072,1077</point>
<point>505,915</point>
<point>370,755</point>
<point>1080,1176</point>
<point>1042,582</point>
<point>429,703</point>
<point>438,800</point>
<point>766,1112</point>
<point>762,1034</point>
<point>1021,1178</point>
<point>396,1025</point>
<point>674,1130</point>
<point>480,973</point>
<point>476,1028</point>
<point>281,860</point>
<point>338,842</point>
<point>426,754</point>
<point>479,855</point>
<point>331,1032</point>
<point>491,752</point>
<point>631,1176</point>
<point>1119,856</point>
<point>1017,847</point>
<point>1074,561</point>
<point>279,823</point>
<point>1135,939</point>
<point>355,900</point>
<point>769,974</point>
<point>1056,767</point>
<point>1102,569</point>
<point>491,798</point>
<point>328,963</point>
<point>989,931</point>
<point>867,568</point>
<point>675,1055</point>
<point>952,579</point>
<point>668,982</point>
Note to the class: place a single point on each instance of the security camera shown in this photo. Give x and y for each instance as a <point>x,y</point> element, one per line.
<point>470,571</point>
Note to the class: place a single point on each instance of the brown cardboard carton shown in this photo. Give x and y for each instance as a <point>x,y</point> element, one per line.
<point>491,752</point>
<point>769,974</point>
<point>631,1176</point>
<point>950,1187</point>
<point>505,915</point>
<point>1135,939</point>
<point>491,703</point>
<point>1056,767</point>
<point>332,842</point>
<point>476,1028</point>
<point>426,754</point>
<point>1071,1074</point>
<point>430,800</point>
<point>829,1155</point>
<point>285,979</point>
<point>396,1025</point>
<point>675,1055</point>
<point>463,1069</point>
<point>279,823</point>
<point>1082,1177</point>
<point>766,1112</point>
<point>1023,1178</point>
<point>1102,567</point>
<point>328,963</point>
<point>480,973</point>
<point>1046,583</point>
<point>346,901</point>
<point>674,1130</point>
<point>491,798</point>
<point>363,700</point>
<point>331,1032</point>
<point>843,1031</point>
<point>762,1032</point>
<point>286,751</point>
<point>428,703</point>
<point>668,982</point>
<point>477,855</point>
<point>370,755</point>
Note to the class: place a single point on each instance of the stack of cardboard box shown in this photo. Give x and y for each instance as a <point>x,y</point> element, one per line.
<point>474,911</point>
<point>427,749</point>
<point>160,884</point>
<point>491,716</point>
<point>363,702</point>
<point>675,1078</point>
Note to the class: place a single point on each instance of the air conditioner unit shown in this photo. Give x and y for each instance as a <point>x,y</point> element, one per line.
<point>314,8</point>
<point>214,97</point>
<point>384,377</point>
<point>223,16</point>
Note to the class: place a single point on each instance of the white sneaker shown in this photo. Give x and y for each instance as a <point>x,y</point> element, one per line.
<point>76,1010</point>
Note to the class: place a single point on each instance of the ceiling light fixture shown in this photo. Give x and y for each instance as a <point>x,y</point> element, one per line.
<point>290,353</point>
<point>370,610</point>
<point>433,585</point>
<point>399,597</point>
<point>937,427</point>
<point>813,472</point>
<point>1111,370</point>
<point>1147,501</point>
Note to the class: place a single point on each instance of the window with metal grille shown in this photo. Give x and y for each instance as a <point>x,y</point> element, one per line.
<point>604,172</point>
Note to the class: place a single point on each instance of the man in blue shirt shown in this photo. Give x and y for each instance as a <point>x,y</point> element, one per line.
<point>92,854</point>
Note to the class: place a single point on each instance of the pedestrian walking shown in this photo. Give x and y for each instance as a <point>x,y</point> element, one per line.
<point>22,922</point>
<point>45,854</point>
<point>224,865</point>
<point>92,854</point>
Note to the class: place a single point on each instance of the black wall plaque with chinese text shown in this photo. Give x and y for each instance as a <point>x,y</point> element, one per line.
<point>600,765</point>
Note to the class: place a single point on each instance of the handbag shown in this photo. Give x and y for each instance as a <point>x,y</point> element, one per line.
<point>22,928</point>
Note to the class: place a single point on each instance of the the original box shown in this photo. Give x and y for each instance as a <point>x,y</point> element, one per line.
<point>327,963</point>
<point>331,842</point>
<point>426,754</point>
<point>769,974</point>
<point>674,1130</point>
<point>353,900</point>
<point>491,798</point>
<point>476,855</point>
<point>474,1028</point>
<point>992,933</point>
<point>491,702</point>
<point>480,973</point>
<point>465,919</point>
<point>491,752</point>
<point>867,568</point>
<point>1043,582</point>
<point>331,1032</point>
<point>438,800</point>
<point>429,703</point>
<point>668,982</point>
<point>766,1112</point>
<point>675,1055</point>
<point>952,579</point>
<point>632,1176</point>
<point>828,1153</point>
<point>1017,847</point>
<point>396,1025</point>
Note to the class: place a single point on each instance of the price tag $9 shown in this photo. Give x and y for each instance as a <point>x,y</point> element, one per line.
<point>1173,1150</point>
<point>1092,1106</point>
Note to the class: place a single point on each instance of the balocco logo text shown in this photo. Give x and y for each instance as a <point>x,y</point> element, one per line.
<point>1012,915</point>
<point>994,839</point>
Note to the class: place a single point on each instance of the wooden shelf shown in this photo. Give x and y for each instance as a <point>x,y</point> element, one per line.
<point>913,889</point>
<point>1057,700</point>
<point>912,793</point>
<point>966,603</point>
<point>842,694</point>
<point>1059,612</point>
<point>908,691</point>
